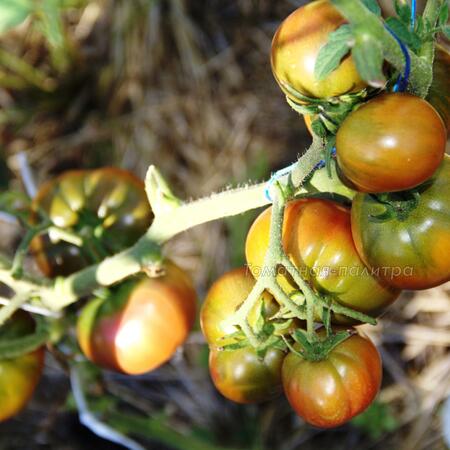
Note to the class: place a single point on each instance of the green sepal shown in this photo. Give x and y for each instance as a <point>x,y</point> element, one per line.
<point>16,347</point>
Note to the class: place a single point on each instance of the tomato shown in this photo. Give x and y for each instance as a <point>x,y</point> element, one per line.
<point>107,207</point>
<point>223,299</point>
<point>411,252</point>
<point>18,376</point>
<point>439,93</point>
<point>295,48</point>
<point>243,377</point>
<point>317,237</point>
<point>140,324</point>
<point>394,142</point>
<point>330,392</point>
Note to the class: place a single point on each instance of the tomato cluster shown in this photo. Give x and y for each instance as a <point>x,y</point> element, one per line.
<point>395,234</point>
<point>133,327</point>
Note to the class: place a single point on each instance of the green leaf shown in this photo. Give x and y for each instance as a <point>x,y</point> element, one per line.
<point>403,11</point>
<point>13,12</point>
<point>443,14</point>
<point>333,51</point>
<point>373,6</point>
<point>50,22</point>
<point>404,33</point>
<point>368,56</point>
<point>376,420</point>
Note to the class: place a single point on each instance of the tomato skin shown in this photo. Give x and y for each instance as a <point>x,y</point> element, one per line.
<point>141,324</point>
<point>418,246</point>
<point>223,299</point>
<point>109,199</point>
<point>295,48</point>
<point>241,376</point>
<point>317,238</point>
<point>394,142</point>
<point>18,376</point>
<point>330,392</point>
<point>439,93</point>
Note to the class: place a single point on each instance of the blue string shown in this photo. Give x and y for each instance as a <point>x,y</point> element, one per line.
<point>287,170</point>
<point>402,80</point>
<point>413,14</point>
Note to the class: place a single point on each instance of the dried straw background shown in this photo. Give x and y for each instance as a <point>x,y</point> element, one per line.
<point>187,85</point>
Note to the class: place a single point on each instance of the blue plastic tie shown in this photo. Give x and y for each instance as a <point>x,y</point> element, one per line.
<point>288,169</point>
<point>413,14</point>
<point>402,80</point>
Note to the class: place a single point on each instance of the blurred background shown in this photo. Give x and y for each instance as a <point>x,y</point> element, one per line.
<point>187,85</point>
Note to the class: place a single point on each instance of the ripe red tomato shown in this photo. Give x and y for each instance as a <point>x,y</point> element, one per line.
<point>393,142</point>
<point>107,207</point>
<point>223,299</point>
<point>412,251</point>
<point>18,376</point>
<point>243,377</point>
<point>330,392</point>
<point>141,324</point>
<point>295,48</point>
<point>317,238</point>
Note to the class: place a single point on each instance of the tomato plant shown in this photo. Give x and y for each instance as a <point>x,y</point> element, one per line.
<point>243,376</point>
<point>406,238</point>
<point>318,239</point>
<point>18,376</point>
<point>392,143</point>
<point>140,324</point>
<point>107,208</point>
<point>295,48</point>
<point>439,93</point>
<point>330,392</point>
<point>223,299</point>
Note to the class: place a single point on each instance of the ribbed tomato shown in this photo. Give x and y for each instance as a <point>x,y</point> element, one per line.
<point>107,208</point>
<point>330,392</point>
<point>140,324</point>
<point>409,249</point>
<point>317,237</point>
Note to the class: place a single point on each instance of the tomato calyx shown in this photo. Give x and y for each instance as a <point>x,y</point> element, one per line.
<point>328,113</point>
<point>319,348</point>
<point>398,205</point>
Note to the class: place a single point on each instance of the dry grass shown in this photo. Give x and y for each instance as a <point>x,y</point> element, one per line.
<point>187,86</point>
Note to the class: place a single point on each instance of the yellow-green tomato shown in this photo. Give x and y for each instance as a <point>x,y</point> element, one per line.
<point>244,377</point>
<point>18,376</point>
<point>223,299</point>
<point>295,48</point>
